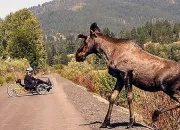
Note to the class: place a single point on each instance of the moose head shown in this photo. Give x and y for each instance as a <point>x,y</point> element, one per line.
<point>89,45</point>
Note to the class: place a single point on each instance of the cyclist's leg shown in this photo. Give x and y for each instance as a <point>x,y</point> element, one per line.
<point>39,81</point>
<point>31,86</point>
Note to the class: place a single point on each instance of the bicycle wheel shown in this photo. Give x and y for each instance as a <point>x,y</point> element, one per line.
<point>13,90</point>
<point>41,89</point>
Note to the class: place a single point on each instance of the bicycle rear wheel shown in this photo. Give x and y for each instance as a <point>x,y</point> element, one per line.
<point>13,90</point>
<point>41,89</point>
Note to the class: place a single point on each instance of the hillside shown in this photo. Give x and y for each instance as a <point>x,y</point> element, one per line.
<point>76,15</point>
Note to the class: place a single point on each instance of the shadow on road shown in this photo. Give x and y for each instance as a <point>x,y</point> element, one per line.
<point>118,124</point>
<point>91,123</point>
<point>32,95</point>
<point>113,125</point>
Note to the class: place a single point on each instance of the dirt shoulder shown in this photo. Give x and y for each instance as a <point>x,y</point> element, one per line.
<point>93,108</point>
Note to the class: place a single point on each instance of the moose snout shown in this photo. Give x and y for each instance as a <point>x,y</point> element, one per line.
<point>80,59</point>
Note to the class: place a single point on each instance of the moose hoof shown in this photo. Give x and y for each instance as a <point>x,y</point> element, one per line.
<point>131,123</point>
<point>156,115</point>
<point>105,124</point>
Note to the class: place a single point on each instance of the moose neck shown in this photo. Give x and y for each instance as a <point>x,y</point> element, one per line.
<point>104,48</point>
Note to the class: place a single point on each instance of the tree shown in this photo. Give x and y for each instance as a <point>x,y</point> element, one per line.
<point>52,55</point>
<point>26,39</point>
<point>155,34</point>
<point>166,33</point>
<point>70,47</point>
<point>176,32</point>
<point>122,33</point>
<point>64,59</point>
<point>106,31</point>
<point>133,33</point>
<point>141,38</point>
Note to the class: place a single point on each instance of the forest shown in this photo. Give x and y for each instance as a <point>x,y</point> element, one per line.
<point>74,16</point>
<point>163,36</point>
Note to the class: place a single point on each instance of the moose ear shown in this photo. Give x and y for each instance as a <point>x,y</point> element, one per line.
<point>82,36</point>
<point>94,29</point>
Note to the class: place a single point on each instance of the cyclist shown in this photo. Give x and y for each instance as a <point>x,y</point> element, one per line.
<point>30,82</point>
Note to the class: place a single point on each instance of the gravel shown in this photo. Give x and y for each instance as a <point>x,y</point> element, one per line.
<point>93,108</point>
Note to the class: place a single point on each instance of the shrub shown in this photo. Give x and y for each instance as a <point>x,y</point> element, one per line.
<point>74,69</point>
<point>19,64</point>
<point>10,77</point>
<point>1,81</point>
<point>168,51</point>
<point>9,70</point>
<point>105,82</point>
<point>58,66</point>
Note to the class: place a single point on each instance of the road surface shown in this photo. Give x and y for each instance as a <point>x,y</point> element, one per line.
<point>66,107</point>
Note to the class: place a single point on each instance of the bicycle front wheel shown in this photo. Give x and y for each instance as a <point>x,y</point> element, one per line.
<point>41,89</point>
<point>13,90</point>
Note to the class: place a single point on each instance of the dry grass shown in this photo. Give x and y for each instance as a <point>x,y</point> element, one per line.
<point>9,71</point>
<point>147,102</point>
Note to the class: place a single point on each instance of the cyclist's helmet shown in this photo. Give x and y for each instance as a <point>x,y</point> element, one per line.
<point>29,69</point>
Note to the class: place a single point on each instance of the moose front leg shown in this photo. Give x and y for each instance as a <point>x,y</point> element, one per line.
<point>128,86</point>
<point>118,87</point>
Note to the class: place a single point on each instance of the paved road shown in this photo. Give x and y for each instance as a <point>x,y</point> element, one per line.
<point>67,107</point>
<point>46,112</point>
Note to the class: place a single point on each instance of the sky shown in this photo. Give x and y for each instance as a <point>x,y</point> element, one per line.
<point>7,6</point>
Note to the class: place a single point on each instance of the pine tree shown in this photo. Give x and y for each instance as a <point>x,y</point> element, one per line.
<point>106,31</point>
<point>133,33</point>
<point>176,32</point>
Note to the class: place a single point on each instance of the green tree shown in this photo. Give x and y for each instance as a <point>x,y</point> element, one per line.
<point>106,31</point>
<point>166,33</point>
<point>155,34</point>
<point>133,33</point>
<point>122,33</point>
<point>176,32</point>
<point>70,47</point>
<point>26,39</point>
<point>64,59</point>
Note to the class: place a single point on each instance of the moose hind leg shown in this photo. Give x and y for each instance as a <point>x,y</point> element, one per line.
<point>175,95</point>
<point>118,87</point>
<point>130,96</point>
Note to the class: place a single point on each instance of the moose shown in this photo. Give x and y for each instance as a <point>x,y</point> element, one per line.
<point>131,65</point>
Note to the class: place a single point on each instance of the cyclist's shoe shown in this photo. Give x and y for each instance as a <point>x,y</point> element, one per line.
<point>49,89</point>
<point>49,82</point>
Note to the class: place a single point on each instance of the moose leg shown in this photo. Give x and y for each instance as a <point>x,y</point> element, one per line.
<point>158,112</point>
<point>130,96</point>
<point>175,96</point>
<point>118,87</point>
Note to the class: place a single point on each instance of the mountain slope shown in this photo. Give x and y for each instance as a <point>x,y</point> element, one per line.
<point>77,15</point>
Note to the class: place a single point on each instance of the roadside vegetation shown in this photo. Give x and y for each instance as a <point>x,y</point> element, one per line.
<point>10,70</point>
